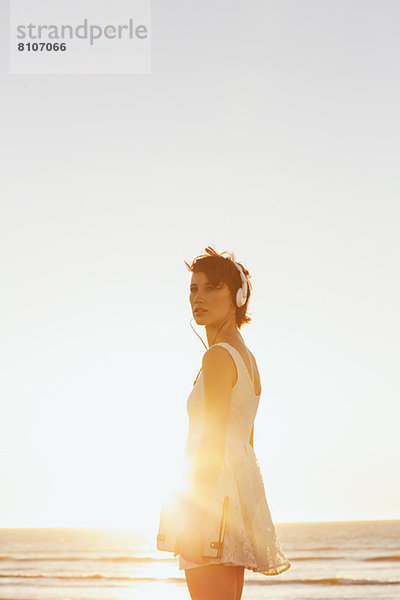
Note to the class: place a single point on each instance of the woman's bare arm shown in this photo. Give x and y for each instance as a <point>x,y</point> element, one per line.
<point>219,375</point>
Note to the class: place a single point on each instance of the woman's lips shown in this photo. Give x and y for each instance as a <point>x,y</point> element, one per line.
<point>199,311</point>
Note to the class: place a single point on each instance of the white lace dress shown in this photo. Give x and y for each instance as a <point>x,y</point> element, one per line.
<point>250,538</point>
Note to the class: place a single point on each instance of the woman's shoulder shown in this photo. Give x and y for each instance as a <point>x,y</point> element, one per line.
<point>217,354</point>
<point>217,361</point>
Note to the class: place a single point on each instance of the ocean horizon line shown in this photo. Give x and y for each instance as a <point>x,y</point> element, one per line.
<point>145,534</point>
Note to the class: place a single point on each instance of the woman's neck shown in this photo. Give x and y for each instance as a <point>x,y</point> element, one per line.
<point>229,333</point>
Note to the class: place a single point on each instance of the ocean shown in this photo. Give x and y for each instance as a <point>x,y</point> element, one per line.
<point>330,560</point>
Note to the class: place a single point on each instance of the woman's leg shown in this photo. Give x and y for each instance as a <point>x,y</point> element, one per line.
<point>239,582</point>
<point>212,582</point>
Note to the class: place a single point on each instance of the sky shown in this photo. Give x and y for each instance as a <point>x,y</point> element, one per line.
<point>267,128</point>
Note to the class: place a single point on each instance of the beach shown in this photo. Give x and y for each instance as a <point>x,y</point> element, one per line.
<point>330,560</point>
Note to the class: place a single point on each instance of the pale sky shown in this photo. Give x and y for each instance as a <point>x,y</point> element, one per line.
<point>268,128</point>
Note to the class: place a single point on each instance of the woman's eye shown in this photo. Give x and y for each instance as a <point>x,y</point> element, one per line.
<point>208,288</point>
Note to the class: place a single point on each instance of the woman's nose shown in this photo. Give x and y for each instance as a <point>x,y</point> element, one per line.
<point>198,297</point>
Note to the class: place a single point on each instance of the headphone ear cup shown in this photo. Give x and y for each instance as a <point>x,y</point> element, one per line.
<point>241,294</point>
<point>239,298</point>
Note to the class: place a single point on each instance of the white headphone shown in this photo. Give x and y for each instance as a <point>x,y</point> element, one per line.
<point>241,294</point>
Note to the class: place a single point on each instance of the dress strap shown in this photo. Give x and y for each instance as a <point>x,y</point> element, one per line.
<point>234,354</point>
<point>251,365</point>
<point>240,364</point>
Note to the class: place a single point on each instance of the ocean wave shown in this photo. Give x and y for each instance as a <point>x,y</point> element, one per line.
<point>52,557</point>
<point>319,548</point>
<point>90,576</point>
<point>315,558</point>
<point>389,557</point>
<point>130,558</point>
<point>109,578</point>
<point>327,581</point>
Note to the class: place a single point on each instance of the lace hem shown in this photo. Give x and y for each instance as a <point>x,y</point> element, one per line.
<point>269,571</point>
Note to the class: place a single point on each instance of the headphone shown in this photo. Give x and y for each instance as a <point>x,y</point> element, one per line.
<point>241,294</point>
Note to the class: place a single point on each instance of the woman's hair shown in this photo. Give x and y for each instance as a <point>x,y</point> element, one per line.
<point>220,269</point>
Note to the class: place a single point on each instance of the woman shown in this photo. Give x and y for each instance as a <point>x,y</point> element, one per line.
<point>219,456</point>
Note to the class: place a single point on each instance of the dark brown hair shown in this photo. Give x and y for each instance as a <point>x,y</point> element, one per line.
<point>220,269</point>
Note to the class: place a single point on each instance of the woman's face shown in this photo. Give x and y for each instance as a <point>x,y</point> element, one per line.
<point>209,304</point>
